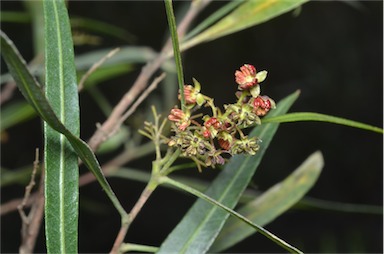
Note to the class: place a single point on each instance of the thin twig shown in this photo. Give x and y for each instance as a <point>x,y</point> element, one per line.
<point>142,97</point>
<point>102,133</point>
<point>95,66</point>
<point>121,159</point>
<point>31,223</point>
<point>12,205</point>
<point>108,167</point>
<point>7,92</point>
<point>132,215</point>
<point>29,188</point>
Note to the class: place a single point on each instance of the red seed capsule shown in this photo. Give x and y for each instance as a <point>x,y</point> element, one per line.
<point>224,144</point>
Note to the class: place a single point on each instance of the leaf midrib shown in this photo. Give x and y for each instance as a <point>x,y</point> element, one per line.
<point>62,138</point>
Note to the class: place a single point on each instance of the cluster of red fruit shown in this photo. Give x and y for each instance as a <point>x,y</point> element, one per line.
<point>220,133</point>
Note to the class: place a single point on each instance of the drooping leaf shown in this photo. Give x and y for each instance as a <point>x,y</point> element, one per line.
<point>272,203</point>
<point>32,92</point>
<point>248,14</point>
<point>60,159</point>
<point>199,227</point>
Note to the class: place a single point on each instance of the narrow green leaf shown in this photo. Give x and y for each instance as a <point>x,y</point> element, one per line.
<point>334,206</point>
<point>309,116</point>
<point>60,160</point>
<point>272,203</point>
<point>27,84</point>
<point>15,176</point>
<point>248,14</point>
<point>35,8</point>
<point>126,55</point>
<point>199,227</point>
<point>238,216</point>
<point>101,27</point>
<point>114,142</point>
<point>106,73</point>
<point>213,18</point>
<point>31,90</point>
<point>15,113</point>
<point>15,16</point>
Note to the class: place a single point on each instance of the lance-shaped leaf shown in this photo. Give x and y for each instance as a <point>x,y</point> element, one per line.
<point>200,226</point>
<point>60,159</point>
<point>238,216</point>
<point>31,90</point>
<point>272,203</point>
<point>248,14</point>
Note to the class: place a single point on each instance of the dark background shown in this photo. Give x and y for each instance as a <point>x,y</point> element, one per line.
<point>332,51</point>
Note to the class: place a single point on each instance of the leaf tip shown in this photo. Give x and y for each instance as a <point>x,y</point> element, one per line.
<point>316,159</point>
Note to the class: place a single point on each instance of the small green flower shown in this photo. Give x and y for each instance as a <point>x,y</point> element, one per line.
<point>246,145</point>
<point>214,158</point>
<point>243,116</point>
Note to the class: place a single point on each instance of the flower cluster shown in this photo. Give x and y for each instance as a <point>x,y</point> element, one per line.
<point>208,140</point>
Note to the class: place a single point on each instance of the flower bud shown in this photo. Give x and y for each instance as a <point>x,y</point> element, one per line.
<point>246,145</point>
<point>189,94</point>
<point>246,77</point>
<point>214,158</point>
<point>211,127</point>
<point>192,94</point>
<point>180,118</point>
<point>262,104</point>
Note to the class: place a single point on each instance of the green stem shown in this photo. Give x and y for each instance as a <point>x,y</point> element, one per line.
<point>170,160</point>
<point>201,195</point>
<point>126,247</point>
<point>241,98</point>
<point>309,116</point>
<point>211,105</point>
<point>179,167</point>
<point>176,49</point>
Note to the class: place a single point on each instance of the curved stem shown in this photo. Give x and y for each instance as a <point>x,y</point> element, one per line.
<point>176,50</point>
<point>170,160</point>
